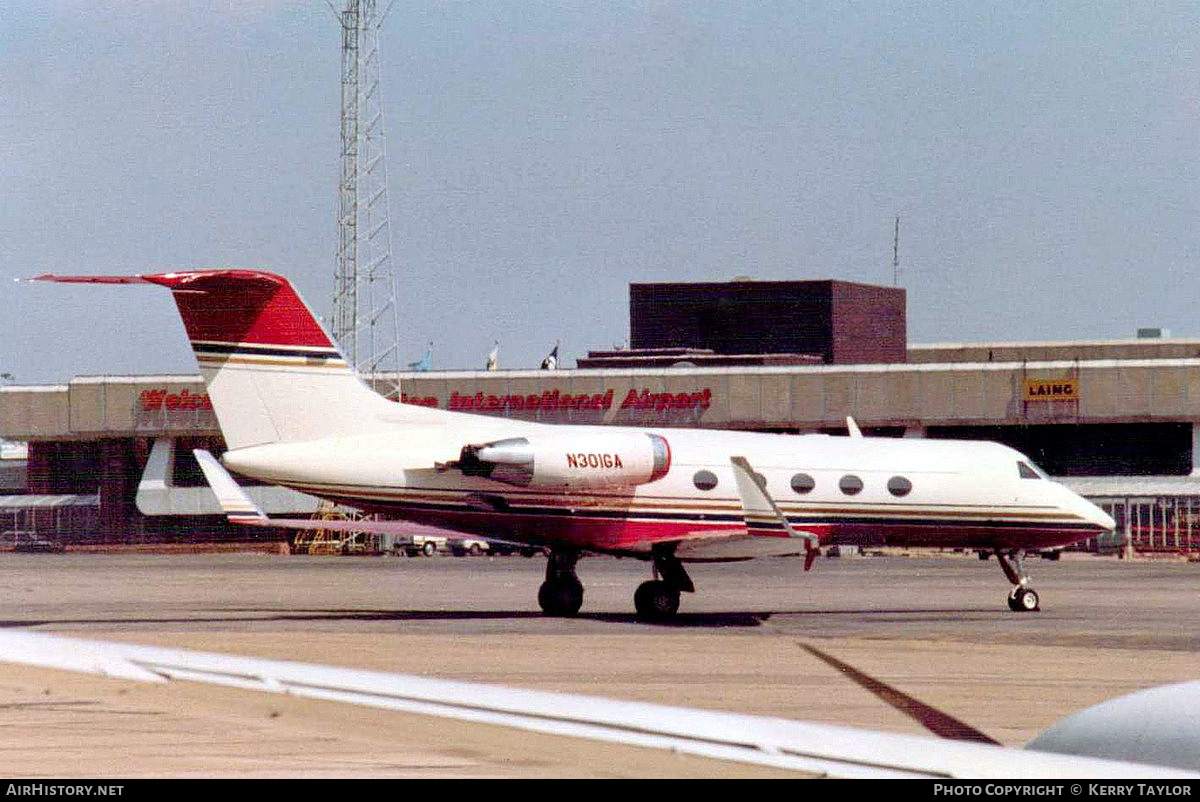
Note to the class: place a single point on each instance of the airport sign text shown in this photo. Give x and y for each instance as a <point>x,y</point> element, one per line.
<point>154,400</point>
<point>642,400</point>
<point>1052,389</point>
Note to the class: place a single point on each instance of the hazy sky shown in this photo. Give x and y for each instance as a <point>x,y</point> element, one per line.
<point>1043,158</point>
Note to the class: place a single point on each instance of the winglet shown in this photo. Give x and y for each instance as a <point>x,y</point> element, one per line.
<point>238,507</point>
<point>762,514</point>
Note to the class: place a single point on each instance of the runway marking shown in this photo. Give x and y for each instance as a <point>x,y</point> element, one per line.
<point>930,718</point>
<point>76,706</point>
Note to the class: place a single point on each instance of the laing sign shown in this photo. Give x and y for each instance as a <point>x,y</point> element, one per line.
<point>1051,390</point>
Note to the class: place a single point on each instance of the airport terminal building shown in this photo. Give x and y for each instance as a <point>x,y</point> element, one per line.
<point>109,457</point>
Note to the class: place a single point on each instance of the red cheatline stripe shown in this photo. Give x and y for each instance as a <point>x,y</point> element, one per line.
<point>869,515</point>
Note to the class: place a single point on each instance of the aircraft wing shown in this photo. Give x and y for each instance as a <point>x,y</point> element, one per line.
<point>720,546</point>
<point>812,748</point>
<point>240,509</point>
<point>763,516</point>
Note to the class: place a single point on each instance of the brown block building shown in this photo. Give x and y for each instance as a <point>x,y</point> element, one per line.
<point>840,321</point>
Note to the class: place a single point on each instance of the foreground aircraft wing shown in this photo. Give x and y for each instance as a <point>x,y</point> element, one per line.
<point>239,508</point>
<point>814,748</point>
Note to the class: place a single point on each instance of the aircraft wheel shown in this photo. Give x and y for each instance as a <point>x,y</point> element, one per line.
<point>475,550</point>
<point>1023,600</point>
<point>656,601</point>
<point>429,548</point>
<point>561,598</point>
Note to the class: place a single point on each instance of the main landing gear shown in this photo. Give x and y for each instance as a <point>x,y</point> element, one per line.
<point>1022,598</point>
<point>658,599</point>
<point>561,595</point>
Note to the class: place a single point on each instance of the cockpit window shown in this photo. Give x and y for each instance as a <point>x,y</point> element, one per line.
<point>1027,472</point>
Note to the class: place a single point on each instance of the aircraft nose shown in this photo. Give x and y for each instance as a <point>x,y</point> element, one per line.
<point>1089,512</point>
<point>1096,516</point>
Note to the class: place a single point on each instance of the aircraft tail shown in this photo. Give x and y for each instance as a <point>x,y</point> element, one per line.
<point>274,375</point>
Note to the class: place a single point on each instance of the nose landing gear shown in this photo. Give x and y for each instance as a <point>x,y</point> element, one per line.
<point>1022,598</point>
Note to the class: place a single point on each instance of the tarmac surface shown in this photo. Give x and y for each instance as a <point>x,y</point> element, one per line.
<point>762,637</point>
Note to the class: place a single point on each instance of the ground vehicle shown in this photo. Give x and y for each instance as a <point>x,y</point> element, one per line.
<point>471,546</point>
<point>504,548</point>
<point>427,545</point>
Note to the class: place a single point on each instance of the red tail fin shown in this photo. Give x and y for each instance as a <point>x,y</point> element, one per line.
<point>237,313</point>
<point>242,307</point>
<point>273,373</point>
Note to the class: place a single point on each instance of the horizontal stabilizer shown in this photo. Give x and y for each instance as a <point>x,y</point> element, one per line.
<point>90,279</point>
<point>236,505</point>
<point>177,280</point>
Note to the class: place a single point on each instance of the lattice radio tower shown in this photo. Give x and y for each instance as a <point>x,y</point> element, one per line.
<point>364,289</point>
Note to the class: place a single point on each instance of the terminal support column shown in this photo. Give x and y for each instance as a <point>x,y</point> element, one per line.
<point>1195,450</point>
<point>117,477</point>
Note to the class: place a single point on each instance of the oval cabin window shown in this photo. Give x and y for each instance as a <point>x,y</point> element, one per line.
<point>899,486</point>
<point>705,480</point>
<point>851,485</point>
<point>803,483</point>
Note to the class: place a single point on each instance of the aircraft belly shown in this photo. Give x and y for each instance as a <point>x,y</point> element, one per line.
<point>583,527</point>
<point>1029,536</point>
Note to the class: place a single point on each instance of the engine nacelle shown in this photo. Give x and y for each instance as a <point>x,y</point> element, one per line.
<point>574,461</point>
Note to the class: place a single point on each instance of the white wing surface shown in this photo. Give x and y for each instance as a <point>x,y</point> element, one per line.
<point>814,748</point>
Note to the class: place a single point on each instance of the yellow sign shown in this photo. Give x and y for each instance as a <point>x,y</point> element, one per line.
<point>1052,389</point>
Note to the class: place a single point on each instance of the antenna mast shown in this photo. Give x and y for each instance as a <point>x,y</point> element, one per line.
<point>364,289</point>
<point>896,254</point>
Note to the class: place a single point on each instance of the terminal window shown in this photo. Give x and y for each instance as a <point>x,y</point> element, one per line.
<point>1099,449</point>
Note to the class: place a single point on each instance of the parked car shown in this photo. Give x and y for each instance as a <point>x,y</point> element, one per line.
<point>474,546</point>
<point>469,546</point>
<point>503,547</point>
<point>416,545</point>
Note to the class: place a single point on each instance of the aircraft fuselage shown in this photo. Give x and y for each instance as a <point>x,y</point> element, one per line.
<point>866,491</point>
